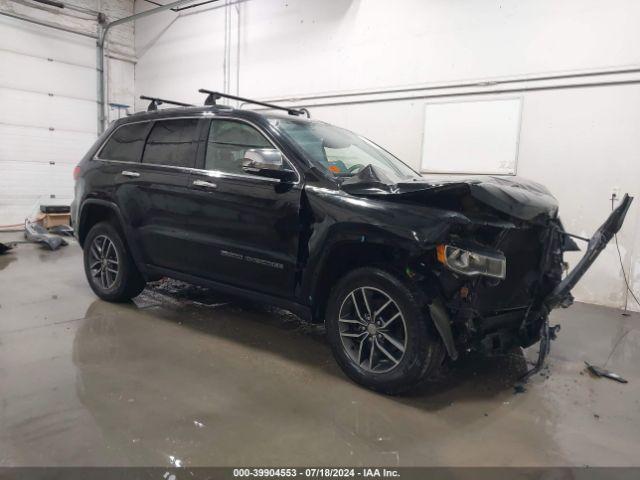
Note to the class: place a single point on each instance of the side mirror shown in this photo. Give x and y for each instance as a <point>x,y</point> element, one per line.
<point>267,162</point>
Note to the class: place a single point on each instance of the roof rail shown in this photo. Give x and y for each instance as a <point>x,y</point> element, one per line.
<point>155,102</point>
<point>213,96</point>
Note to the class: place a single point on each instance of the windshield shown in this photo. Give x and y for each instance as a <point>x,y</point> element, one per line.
<point>339,151</point>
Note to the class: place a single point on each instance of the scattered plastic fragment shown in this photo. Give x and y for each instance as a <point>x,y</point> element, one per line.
<point>601,372</point>
<point>34,232</point>
<point>64,230</point>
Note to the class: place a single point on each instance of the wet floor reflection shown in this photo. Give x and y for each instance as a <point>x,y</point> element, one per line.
<point>186,376</point>
<point>203,378</point>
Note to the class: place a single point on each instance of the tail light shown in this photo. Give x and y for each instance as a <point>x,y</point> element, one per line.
<point>76,172</point>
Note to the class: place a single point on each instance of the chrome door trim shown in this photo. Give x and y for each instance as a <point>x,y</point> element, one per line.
<point>124,162</point>
<point>231,176</point>
<point>202,183</point>
<point>197,171</point>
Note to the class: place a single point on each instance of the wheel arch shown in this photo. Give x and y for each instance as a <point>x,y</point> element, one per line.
<point>344,257</point>
<point>95,210</point>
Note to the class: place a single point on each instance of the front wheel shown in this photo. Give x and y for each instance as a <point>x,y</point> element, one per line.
<point>109,268</point>
<point>379,333</point>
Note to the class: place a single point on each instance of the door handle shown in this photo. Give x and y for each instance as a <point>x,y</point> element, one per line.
<point>202,183</point>
<point>127,173</point>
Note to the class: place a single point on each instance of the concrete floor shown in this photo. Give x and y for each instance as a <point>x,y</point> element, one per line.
<point>183,377</point>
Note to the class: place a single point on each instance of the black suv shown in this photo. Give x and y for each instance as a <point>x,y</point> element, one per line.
<point>403,271</point>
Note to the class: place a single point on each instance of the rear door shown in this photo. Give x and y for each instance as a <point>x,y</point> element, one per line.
<point>245,227</point>
<point>160,206</point>
<point>147,164</point>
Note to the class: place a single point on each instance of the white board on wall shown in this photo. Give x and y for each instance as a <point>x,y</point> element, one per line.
<point>479,136</point>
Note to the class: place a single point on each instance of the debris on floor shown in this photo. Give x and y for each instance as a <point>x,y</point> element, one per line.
<point>5,247</point>
<point>187,292</point>
<point>601,372</point>
<point>35,232</point>
<point>519,388</point>
<point>64,230</point>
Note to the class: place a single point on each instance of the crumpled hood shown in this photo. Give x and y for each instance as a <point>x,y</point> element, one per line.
<point>515,196</point>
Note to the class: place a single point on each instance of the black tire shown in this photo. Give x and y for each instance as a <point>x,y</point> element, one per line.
<point>121,286</point>
<point>422,352</point>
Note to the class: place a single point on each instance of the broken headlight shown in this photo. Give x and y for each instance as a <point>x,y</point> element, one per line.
<point>468,262</point>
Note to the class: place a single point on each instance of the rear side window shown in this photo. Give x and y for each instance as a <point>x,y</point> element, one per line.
<point>227,144</point>
<point>126,143</point>
<point>172,142</point>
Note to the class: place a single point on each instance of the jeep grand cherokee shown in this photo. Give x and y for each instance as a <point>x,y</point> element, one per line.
<point>403,270</point>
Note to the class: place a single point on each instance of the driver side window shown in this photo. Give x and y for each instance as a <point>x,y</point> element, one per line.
<point>228,141</point>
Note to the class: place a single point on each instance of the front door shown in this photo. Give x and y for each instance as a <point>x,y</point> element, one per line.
<point>246,227</point>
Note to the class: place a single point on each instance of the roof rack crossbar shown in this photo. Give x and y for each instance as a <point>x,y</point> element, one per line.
<point>213,96</point>
<point>155,102</point>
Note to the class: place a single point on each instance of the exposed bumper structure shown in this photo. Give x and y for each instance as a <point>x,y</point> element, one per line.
<point>597,243</point>
<point>562,293</point>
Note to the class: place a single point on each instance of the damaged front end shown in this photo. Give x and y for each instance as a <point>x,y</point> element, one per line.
<point>509,303</point>
<point>498,277</point>
<point>498,304</point>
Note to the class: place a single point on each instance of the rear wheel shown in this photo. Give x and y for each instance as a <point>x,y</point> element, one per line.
<point>108,265</point>
<point>379,333</point>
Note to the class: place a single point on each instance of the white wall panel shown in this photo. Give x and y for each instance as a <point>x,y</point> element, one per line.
<point>305,46</point>
<point>188,50</point>
<point>120,86</point>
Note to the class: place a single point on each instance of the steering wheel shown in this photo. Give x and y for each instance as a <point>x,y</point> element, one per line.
<point>355,168</point>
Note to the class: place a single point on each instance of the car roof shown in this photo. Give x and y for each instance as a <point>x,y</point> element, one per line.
<point>209,110</point>
<point>199,111</point>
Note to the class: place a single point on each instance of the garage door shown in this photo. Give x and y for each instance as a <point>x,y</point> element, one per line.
<point>48,114</point>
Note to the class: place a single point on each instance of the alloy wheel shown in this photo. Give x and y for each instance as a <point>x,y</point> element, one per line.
<point>104,262</point>
<point>372,329</point>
